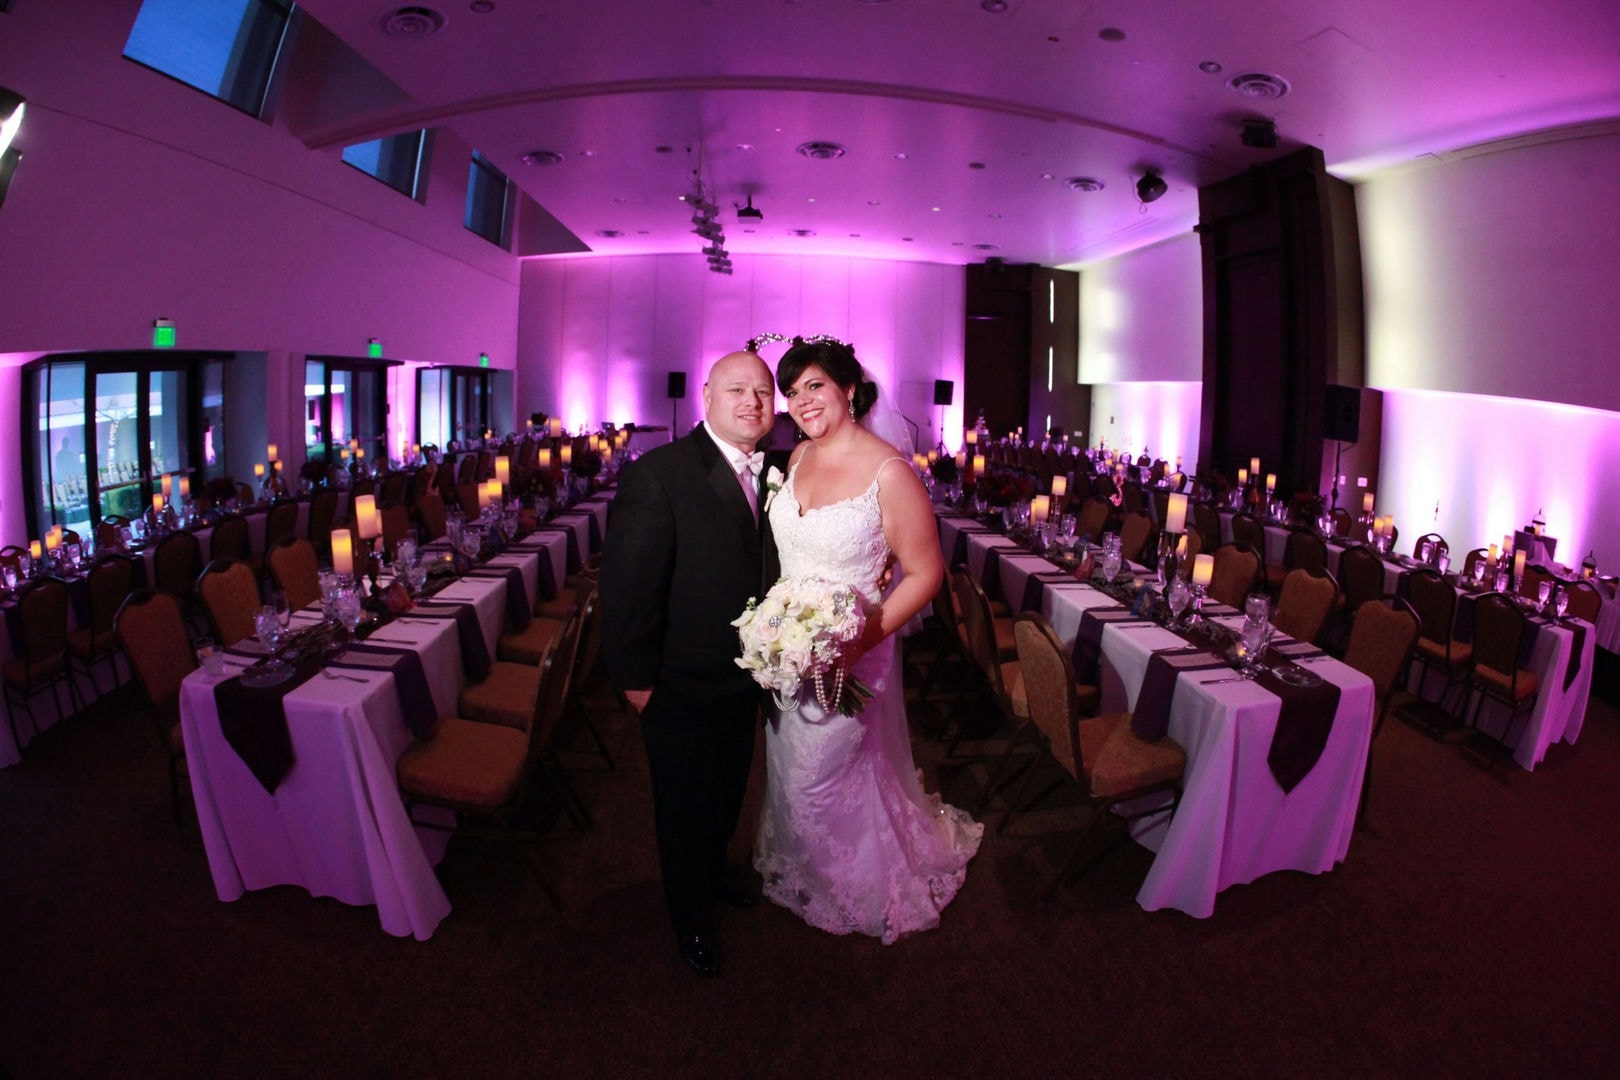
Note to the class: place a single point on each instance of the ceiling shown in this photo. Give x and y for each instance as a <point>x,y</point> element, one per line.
<point>960,124</point>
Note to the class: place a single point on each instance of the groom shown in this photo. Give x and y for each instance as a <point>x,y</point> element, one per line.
<point>687,546</point>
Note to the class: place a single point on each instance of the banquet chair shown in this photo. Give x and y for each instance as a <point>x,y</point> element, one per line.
<point>230,540</point>
<point>1208,523</point>
<point>484,771</point>
<point>506,695</point>
<point>108,536</point>
<point>951,636</point>
<point>1249,531</point>
<point>42,610</point>
<point>1136,536</point>
<point>1585,601</point>
<point>229,592</point>
<point>991,647</point>
<point>1131,496</point>
<point>1380,648</point>
<point>244,493</point>
<point>322,514</point>
<point>1304,550</point>
<point>1161,505</point>
<point>1305,603</point>
<point>430,514</point>
<point>1342,520</point>
<point>1494,672</point>
<point>396,526</point>
<point>393,488</point>
<point>590,657</point>
<point>1441,547</point>
<point>111,579</point>
<point>151,629</point>
<point>1094,514</point>
<point>1111,763</point>
<point>1236,574</point>
<point>295,571</point>
<point>176,562</point>
<point>467,498</point>
<point>281,522</point>
<point>1360,531</point>
<point>1530,581</point>
<point>1478,555</point>
<point>1437,648</point>
<point>467,470</point>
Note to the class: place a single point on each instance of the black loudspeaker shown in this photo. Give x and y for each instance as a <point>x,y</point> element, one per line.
<point>677,385</point>
<point>1341,414</point>
<point>942,391</point>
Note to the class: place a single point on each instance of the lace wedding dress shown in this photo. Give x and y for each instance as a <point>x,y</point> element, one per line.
<point>848,839</point>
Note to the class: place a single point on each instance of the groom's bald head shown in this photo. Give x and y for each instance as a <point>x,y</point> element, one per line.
<point>739,398</point>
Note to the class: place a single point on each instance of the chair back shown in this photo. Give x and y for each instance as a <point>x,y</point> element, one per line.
<point>1236,569</point>
<point>467,497</point>
<point>363,486</point>
<point>1135,534</point>
<point>396,526</point>
<point>430,512</point>
<point>1131,495</point>
<point>1307,598</point>
<point>1498,633</point>
<point>1306,551</point>
<point>1530,581</point>
<point>322,513</point>
<point>1208,523</point>
<point>230,596</point>
<point>1584,600</point>
<point>296,572</point>
<point>1478,555</point>
<point>393,488</point>
<point>1049,688</point>
<point>1435,603</point>
<point>977,622</point>
<point>152,633</point>
<point>111,580</point>
<point>1362,575</point>
<point>230,539</point>
<point>556,677</point>
<point>467,469</point>
<point>42,608</point>
<point>1381,640</point>
<point>590,636</point>
<point>1248,531</point>
<point>281,523</point>
<point>176,562</point>
<point>1093,518</point>
<point>1440,545</point>
<point>1342,520</point>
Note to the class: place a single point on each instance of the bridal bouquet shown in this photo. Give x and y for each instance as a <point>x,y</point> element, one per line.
<point>798,633</point>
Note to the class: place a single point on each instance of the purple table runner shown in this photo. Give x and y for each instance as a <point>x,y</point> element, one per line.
<point>1151,720</point>
<point>1304,723</point>
<point>410,680</point>
<point>255,724</point>
<point>518,611</point>
<point>1032,587</point>
<point>574,560</point>
<point>474,650</point>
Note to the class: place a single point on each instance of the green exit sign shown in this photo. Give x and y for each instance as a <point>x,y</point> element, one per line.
<point>163,336</point>
<point>483,359</point>
<point>374,349</point>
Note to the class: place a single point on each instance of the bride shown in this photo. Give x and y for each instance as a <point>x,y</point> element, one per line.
<point>848,839</point>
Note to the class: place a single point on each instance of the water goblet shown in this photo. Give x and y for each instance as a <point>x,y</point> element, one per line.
<point>1561,603</point>
<point>1479,572</point>
<point>1257,607</point>
<point>210,656</point>
<point>349,608</point>
<point>278,604</point>
<point>1179,598</point>
<point>1543,594</point>
<point>10,577</point>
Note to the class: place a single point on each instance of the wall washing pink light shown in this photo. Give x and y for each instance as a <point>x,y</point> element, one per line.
<point>1491,464</point>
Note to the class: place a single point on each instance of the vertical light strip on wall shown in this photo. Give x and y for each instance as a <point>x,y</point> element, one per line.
<point>1051,302</point>
<point>1050,359</point>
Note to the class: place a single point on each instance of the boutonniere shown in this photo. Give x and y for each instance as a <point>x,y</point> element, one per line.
<point>773,484</point>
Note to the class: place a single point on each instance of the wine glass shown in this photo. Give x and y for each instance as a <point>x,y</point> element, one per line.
<point>278,604</point>
<point>1561,603</point>
<point>1543,594</point>
<point>1479,572</point>
<point>349,609</point>
<point>1257,607</point>
<point>1180,598</point>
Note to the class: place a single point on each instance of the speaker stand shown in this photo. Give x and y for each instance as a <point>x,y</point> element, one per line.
<point>1338,452</point>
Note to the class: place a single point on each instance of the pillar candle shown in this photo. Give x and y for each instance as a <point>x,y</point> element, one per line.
<point>345,453</point>
<point>556,426</point>
<point>1203,569</point>
<point>1367,503</point>
<point>1495,553</point>
<point>258,470</point>
<point>545,457</point>
<point>528,425</point>
<point>359,453</point>
<point>168,486</point>
<point>567,454</point>
<point>1243,477</point>
<point>270,452</point>
<point>343,552</point>
<point>1271,483</point>
<point>1060,487</point>
<point>157,502</point>
<point>961,460</point>
<point>365,516</point>
<point>185,487</point>
<point>1389,525</point>
<point>503,470</point>
<point>53,540</point>
<point>1518,565</point>
<point>1254,466</point>
<point>35,549</point>
<point>978,464</point>
<point>1040,507</point>
<point>1175,517</point>
<point>416,448</point>
<point>607,454</point>
<point>1181,546</point>
<point>972,437</point>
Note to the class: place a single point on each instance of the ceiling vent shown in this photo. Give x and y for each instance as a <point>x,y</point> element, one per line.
<point>821,151</point>
<point>412,21</point>
<point>802,232</point>
<point>1083,183</point>
<point>986,247</point>
<point>1259,86</point>
<point>542,157</point>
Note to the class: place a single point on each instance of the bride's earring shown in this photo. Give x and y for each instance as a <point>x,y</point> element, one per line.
<point>852,409</point>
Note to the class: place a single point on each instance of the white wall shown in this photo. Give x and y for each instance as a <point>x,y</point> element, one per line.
<point>1493,306</point>
<point>598,336</point>
<point>1142,346</point>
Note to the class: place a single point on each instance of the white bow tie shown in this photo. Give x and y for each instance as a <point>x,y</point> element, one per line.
<point>753,462</point>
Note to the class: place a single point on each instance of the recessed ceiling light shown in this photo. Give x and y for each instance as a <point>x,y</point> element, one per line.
<point>1110,33</point>
<point>620,199</point>
<point>801,232</point>
<point>956,243</point>
<point>994,217</point>
<point>641,232</point>
<point>821,150</point>
<point>901,156</point>
<point>934,209</point>
<point>994,7</point>
<point>975,164</point>
<point>750,231</point>
<point>663,149</point>
<point>854,236</point>
<point>1259,85</point>
<point>745,146</point>
<point>811,199</point>
<point>1083,183</point>
<point>907,239</point>
<point>1210,67</point>
<point>481,7</point>
<point>986,247</point>
<point>414,21</point>
<point>542,157</point>
<point>609,233</point>
<point>873,202</point>
<point>1047,176</point>
<point>587,153</point>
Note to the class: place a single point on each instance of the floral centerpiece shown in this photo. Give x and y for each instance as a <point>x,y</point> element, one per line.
<point>799,633</point>
<point>943,469</point>
<point>999,487</point>
<point>1305,507</point>
<point>314,472</point>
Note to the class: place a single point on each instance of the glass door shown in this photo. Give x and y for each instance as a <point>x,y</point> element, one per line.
<point>142,434</point>
<point>345,401</point>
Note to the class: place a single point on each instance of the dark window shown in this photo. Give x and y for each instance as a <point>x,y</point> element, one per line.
<point>396,161</point>
<point>488,195</point>
<point>226,48</point>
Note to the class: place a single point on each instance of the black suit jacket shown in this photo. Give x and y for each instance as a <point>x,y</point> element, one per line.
<point>681,559</point>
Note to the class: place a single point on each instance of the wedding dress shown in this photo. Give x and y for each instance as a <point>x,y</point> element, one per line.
<point>848,839</point>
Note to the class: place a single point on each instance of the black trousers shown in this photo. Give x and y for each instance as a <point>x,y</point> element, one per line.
<point>699,753</point>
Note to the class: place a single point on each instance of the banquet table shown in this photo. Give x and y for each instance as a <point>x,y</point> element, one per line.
<point>1235,823</point>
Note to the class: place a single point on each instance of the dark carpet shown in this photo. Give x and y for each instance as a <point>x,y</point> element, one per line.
<point>1471,932</point>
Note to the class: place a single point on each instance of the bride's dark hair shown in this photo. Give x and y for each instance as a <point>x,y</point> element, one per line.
<point>837,360</point>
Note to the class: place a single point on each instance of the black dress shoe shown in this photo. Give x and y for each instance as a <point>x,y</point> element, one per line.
<point>735,894</point>
<point>701,952</point>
